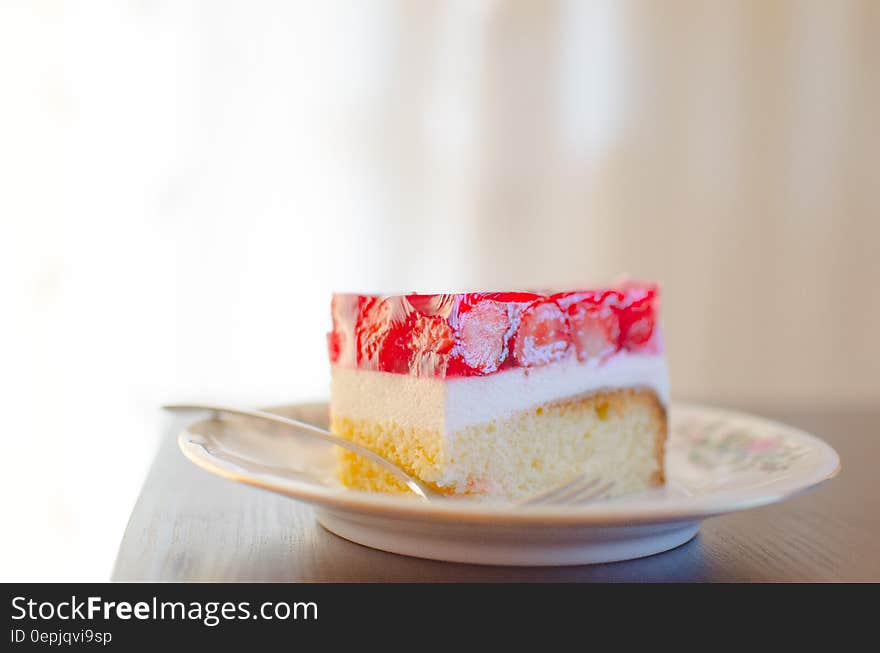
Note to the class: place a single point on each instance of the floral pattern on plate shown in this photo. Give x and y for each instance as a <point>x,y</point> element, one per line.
<point>721,443</point>
<point>711,452</point>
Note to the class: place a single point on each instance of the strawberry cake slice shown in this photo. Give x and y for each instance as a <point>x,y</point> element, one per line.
<point>501,395</point>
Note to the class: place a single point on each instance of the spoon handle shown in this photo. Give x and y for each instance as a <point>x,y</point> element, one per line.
<point>413,484</point>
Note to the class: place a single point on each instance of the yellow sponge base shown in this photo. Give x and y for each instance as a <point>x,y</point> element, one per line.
<point>616,435</point>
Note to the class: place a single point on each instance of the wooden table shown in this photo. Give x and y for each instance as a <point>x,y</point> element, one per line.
<point>188,525</point>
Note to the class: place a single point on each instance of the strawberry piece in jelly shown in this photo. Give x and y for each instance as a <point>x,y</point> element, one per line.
<point>637,311</point>
<point>543,335</point>
<point>383,336</point>
<point>594,323</point>
<point>482,327</point>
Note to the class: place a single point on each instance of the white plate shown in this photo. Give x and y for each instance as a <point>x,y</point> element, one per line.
<point>717,462</point>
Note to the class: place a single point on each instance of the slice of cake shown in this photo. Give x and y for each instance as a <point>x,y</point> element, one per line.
<point>501,395</point>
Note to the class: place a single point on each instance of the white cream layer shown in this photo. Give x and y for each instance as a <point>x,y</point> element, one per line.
<point>452,404</point>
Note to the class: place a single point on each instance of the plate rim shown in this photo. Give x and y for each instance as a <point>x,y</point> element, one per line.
<point>627,513</point>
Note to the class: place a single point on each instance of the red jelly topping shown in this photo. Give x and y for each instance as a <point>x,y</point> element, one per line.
<point>474,334</point>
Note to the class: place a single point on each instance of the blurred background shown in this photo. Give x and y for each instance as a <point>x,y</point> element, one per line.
<point>183,184</point>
